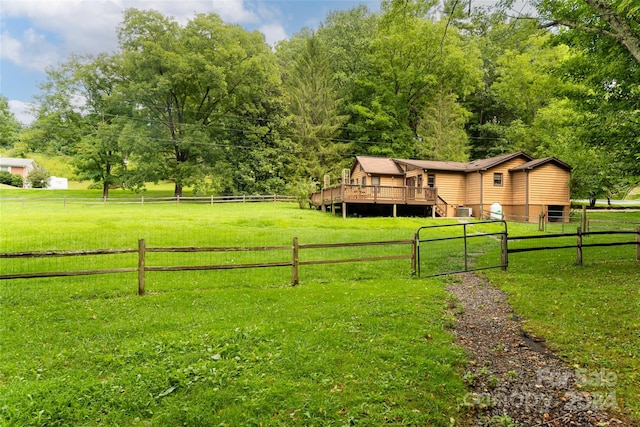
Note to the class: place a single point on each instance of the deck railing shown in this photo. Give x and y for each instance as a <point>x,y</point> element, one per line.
<point>374,194</point>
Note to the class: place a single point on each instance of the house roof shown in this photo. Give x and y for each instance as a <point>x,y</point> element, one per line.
<point>539,162</point>
<point>9,161</point>
<point>435,165</point>
<point>476,165</point>
<point>484,164</point>
<point>378,165</point>
<point>385,166</point>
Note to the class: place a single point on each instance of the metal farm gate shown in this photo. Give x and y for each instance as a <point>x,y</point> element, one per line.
<point>455,248</point>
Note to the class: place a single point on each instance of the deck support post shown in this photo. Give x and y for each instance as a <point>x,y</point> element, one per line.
<point>395,210</point>
<point>344,210</point>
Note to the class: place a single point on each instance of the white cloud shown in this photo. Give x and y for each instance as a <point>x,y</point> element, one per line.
<point>23,111</point>
<point>84,26</point>
<point>273,33</point>
<point>31,50</point>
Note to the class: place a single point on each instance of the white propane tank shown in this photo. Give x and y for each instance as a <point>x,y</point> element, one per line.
<point>495,211</point>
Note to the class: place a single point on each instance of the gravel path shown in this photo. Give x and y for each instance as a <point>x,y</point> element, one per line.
<point>514,379</point>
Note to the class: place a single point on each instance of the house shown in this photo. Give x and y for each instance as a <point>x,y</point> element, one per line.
<point>514,186</point>
<point>20,167</point>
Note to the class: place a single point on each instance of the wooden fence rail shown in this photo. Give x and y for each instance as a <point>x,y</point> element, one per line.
<point>579,235</point>
<point>142,200</point>
<point>294,262</point>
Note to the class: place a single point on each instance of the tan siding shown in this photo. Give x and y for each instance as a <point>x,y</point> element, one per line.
<point>391,181</point>
<point>451,187</point>
<point>549,185</point>
<point>500,194</point>
<point>473,189</point>
<point>357,175</point>
<point>519,188</point>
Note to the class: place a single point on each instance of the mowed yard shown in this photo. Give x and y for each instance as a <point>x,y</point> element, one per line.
<point>352,344</point>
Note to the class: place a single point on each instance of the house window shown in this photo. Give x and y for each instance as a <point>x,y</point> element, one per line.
<point>431,180</point>
<point>497,179</point>
<point>5,168</point>
<point>364,181</point>
<point>375,180</point>
<point>420,184</point>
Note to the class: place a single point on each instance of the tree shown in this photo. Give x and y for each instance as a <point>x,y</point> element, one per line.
<point>9,126</point>
<point>441,133</point>
<point>187,82</point>
<point>608,35</point>
<point>315,112</point>
<point>38,177</point>
<point>617,20</point>
<point>414,60</point>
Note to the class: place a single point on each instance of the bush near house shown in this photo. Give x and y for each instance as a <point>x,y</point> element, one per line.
<point>8,178</point>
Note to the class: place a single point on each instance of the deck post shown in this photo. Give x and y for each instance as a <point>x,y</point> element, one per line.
<point>344,210</point>
<point>142,248</point>
<point>395,210</point>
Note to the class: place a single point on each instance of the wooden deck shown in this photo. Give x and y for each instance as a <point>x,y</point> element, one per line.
<point>376,194</point>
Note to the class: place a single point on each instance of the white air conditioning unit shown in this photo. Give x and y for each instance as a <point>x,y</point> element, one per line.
<point>464,211</point>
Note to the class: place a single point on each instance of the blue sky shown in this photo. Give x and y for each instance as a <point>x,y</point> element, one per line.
<point>36,34</point>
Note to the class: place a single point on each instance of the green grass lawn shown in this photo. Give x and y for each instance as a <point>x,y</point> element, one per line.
<point>353,344</point>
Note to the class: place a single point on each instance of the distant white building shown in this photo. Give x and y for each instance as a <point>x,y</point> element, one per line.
<point>57,183</point>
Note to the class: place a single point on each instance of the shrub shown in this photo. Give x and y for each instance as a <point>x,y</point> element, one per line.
<point>39,177</point>
<point>16,180</point>
<point>5,177</point>
<point>302,191</point>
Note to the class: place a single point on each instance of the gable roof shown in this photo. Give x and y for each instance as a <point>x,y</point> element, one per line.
<point>484,164</point>
<point>10,161</point>
<point>539,162</point>
<point>378,165</point>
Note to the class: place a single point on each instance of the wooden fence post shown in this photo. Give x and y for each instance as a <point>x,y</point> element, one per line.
<point>294,273</point>
<point>583,220</point>
<point>638,243</point>
<point>142,247</point>
<point>414,251</point>
<point>579,247</point>
<point>504,252</point>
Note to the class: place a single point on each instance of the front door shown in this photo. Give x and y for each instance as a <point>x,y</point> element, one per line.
<point>411,188</point>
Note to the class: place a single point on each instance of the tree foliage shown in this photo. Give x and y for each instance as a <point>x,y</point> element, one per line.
<point>208,105</point>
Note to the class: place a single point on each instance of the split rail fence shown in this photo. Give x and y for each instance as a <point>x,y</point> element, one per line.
<point>295,261</point>
<point>579,244</point>
<point>142,200</point>
<point>142,250</point>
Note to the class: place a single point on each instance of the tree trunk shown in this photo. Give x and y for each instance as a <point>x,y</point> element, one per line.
<point>105,190</point>
<point>177,192</point>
